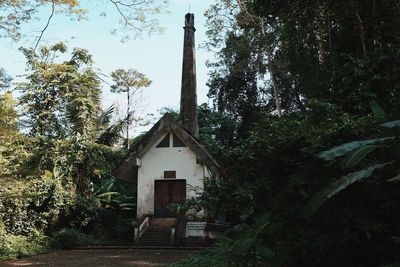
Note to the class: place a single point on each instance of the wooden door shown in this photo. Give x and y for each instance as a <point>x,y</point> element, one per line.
<point>167,192</point>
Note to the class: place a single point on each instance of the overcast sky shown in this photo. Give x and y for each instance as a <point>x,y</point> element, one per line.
<point>158,56</point>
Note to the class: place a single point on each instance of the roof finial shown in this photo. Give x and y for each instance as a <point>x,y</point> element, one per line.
<point>189,8</point>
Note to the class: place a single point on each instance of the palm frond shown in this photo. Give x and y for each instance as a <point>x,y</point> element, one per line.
<point>112,133</point>
<point>106,116</point>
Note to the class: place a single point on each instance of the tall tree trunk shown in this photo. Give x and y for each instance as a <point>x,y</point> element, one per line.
<point>276,94</point>
<point>331,48</point>
<point>363,38</point>
<point>271,72</point>
<point>374,25</point>
<point>323,32</point>
<point>128,122</point>
<point>269,55</point>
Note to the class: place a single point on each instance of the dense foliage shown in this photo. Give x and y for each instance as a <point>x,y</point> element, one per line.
<point>56,157</point>
<point>310,159</point>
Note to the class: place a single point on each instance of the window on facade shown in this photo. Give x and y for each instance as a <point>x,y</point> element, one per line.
<point>169,174</point>
<point>164,142</point>
<point>177,142</point>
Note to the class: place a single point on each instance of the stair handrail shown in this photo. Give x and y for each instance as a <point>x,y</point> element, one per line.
<point>178,229</point>
<point>140,226</point>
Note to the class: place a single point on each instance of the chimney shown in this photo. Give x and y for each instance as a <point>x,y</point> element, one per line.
<point>188,89</point>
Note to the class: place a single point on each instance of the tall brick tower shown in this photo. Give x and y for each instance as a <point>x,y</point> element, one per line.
<point>188,89</point>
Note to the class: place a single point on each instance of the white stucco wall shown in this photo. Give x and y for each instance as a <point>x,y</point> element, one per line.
<point>160,159</point>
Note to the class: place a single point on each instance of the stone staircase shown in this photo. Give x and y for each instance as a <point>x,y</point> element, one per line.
<point>158,233</point>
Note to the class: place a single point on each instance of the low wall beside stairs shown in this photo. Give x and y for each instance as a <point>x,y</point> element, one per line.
<point>205,229</point>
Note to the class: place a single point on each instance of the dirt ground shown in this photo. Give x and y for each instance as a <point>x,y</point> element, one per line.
<point>103,258</point>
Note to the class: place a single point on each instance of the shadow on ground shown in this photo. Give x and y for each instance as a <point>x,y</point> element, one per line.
<point>103,258</point>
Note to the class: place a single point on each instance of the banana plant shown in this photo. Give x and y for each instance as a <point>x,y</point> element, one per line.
<point>352,154</point>
<point>112,199</point>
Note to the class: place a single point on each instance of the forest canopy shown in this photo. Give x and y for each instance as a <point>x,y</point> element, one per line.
<point>303,118</point>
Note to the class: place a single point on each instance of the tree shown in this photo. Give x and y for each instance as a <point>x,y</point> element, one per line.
<point>16,12</point>
<point>60,99</point>
<point>239,70</point>
<point>136,15</point>
<point>129,82</point>
<point>335,51</point>
<point>326,60</point>
<point>9,135</point>
<point>5,80</point>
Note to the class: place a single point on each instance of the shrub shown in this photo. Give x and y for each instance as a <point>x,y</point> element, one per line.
<point>114,227</point>
<point>80,213</point>
<point>14,246</point>
<point>200,261</point>
<point>68,238</point>
<point>31,206</point>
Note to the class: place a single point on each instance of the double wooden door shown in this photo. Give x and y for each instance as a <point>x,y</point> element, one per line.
<point>167,192</point>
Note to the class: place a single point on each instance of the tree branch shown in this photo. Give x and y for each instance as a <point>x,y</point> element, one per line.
<point>116,4</point>
<point>134,3</point>
<point>47,24</point>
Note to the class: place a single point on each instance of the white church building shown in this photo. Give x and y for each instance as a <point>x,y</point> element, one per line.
<point>169,159</point>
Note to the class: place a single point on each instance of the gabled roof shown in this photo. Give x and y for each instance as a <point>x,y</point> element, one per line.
<point>167,123</point>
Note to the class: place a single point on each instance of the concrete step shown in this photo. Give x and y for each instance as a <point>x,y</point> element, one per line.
<point>155,235</point>
<point>158,233</point>
<point>154,238</point>
<point>154,242</point>
<point>158,230</point>
<point>167,222</point>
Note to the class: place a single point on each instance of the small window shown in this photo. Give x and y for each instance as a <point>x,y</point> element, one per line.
<point>177,142</point>
<point>164,142</point>
<point>169,174</point>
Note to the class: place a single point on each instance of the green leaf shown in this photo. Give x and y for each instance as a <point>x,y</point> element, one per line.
<point>245,244</point>
<point>355,157</point>
<point>377,111</point>
<point>395,179</point>
<point>106,194</point>
<point>341,150</point>
<point>264,252</point>
<point>246,213</point>
<point>393,264</point>
<point>224,240</point>
<point>323,196</point>
<point>127,205</point>
<point>391,124</point>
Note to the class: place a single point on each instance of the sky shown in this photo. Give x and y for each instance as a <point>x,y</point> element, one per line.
<point>158,56</point>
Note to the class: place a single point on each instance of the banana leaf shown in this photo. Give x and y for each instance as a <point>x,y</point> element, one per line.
<point>343,183</point>
<point>378,111</point>
<point>391,124</point>
<point>356,156</point>
<point>341,150</point>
